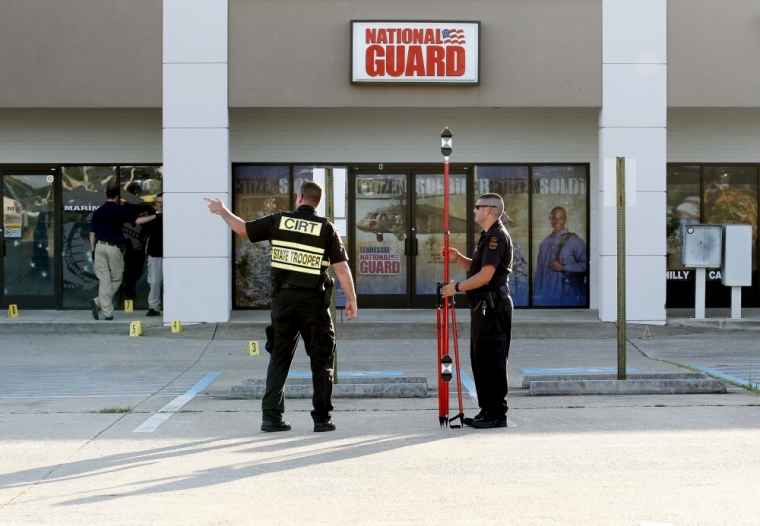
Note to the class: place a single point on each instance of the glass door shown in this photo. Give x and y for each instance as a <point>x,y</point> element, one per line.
<point>382,245</point>
<point>27,252</point>
<point>427,232</point>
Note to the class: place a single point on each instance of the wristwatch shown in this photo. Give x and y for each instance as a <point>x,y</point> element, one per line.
<point>456,287</point>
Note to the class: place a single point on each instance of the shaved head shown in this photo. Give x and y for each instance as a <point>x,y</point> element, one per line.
<point>494,201</point>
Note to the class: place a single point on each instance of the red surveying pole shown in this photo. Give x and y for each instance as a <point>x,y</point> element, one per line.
<point>444,360</point>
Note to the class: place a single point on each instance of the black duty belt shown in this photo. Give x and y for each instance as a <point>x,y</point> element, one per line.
<point>109,244</point>
<point>294,287</point>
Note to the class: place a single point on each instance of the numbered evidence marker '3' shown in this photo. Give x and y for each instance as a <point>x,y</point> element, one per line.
<point>13,311</point>
<point>135,328</point>
<point>253,348</point>
<point>176,326</point>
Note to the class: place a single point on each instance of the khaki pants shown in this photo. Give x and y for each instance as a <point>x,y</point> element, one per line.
<point>155,279</point>
<point>109,268</point>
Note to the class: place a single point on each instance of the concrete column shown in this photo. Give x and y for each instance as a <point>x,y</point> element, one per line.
<point>633,125</point>
<point>197,245</point>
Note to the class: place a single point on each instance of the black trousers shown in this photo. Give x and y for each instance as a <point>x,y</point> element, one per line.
<point>296,313</point>
<point>490,337</point>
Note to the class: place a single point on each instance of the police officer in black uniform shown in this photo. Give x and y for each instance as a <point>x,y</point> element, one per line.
<point>304,246</point>
<point>491,310</point>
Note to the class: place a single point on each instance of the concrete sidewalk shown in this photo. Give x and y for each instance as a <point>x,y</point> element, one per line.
<point>384,323</point>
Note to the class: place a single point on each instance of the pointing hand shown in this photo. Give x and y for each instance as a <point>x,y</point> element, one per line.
<point>216,206</point>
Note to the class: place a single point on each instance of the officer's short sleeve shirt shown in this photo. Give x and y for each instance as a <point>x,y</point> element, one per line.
<point>262,229</point>
<point>494,248</point>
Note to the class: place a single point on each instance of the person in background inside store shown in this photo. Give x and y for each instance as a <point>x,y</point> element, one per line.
<point>561,266</point>
<point>304,245</point>
<point>134,248</point>
<point>491,314</point>
<point>154,248</point>
<point>106,243</point>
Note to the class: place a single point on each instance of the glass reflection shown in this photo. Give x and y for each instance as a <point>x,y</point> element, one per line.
<point>259,191</point>
<point>28,220</point>
<point>560,259</point>
<point>84,190</point>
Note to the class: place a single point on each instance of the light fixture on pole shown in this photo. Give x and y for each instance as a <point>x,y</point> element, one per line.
<point>446,140</point>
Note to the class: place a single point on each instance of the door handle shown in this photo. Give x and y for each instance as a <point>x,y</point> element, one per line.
<point>416,247</point>
<point>406,246</point>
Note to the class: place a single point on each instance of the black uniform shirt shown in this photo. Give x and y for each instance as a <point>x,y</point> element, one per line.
<point>154,230</point>
<point>262,229</point>
<point>108,223</point>
<point>494,248</point>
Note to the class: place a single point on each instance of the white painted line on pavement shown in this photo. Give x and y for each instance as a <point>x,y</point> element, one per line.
<point>152,423</point>
<point>469,384</point>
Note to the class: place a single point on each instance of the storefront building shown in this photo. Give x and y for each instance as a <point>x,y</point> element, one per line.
<point>246,99</point>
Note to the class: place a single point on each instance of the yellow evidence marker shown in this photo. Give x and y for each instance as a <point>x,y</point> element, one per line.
<point>176,325</point>
<point>253,348</point>
<point>13,311</point>
<point>135,328</point>
<point>128,306</point>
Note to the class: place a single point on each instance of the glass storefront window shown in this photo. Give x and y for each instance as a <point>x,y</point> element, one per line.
<point>28,266</point>
<point>301,174</point>
<point>512,184</point>
<point>684,207</point>
<point>83,192</point>
<point>711,194</point>
<point>139,187</point>
<point>428,222</point>
<point>559,226</point>
<point>259,191</point>
<point>730,197</point>
<point>381,233</point>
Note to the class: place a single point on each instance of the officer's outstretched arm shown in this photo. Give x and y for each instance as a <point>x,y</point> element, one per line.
<point>343,273</point>
<point>216,206</point>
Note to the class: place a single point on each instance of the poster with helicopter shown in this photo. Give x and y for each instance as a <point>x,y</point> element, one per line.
<point>383,230</point>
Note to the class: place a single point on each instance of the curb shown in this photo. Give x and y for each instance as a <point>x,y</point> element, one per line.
<point>627,387</point>
<point>372,387</point>
<point>528,378</point>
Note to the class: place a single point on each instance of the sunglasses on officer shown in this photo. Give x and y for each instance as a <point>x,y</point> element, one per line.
<point>478,207</point>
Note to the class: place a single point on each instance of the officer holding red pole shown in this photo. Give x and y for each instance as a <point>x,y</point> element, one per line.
<point>491,310</point>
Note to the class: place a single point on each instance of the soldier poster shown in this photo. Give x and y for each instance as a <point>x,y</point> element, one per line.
<point>559,228</point>
<point>381,234</point>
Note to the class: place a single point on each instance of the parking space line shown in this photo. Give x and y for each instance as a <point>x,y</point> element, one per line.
<point>163,414</point>
<point>725,376</point>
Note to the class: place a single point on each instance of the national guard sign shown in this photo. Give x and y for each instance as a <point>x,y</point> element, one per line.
<point>398,52</point>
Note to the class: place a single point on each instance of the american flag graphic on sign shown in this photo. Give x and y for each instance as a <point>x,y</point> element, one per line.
<point>453,36</point>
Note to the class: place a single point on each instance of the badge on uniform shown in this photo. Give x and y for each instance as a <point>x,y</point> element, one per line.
<point>493,243</point>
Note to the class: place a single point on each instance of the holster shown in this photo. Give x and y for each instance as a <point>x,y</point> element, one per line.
<point>326,285</point>
<point>269,345</point>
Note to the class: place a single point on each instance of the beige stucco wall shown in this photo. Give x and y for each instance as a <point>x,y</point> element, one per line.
<point>80,53</point>
<point>534,53</point>
<point>713,53</point>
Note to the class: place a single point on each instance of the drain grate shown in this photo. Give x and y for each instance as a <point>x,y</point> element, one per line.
<point>96,384</point>
<point>747,375</point>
